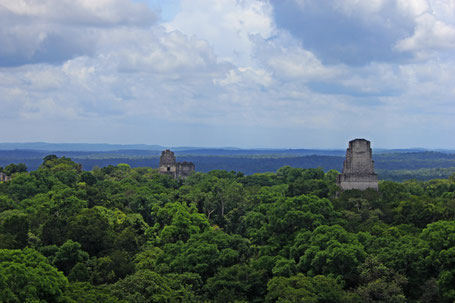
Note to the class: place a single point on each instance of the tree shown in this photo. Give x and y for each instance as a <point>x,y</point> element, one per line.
<point>147,286</point>
<point>79,273</point>
<point>179,221</point>
<point>68,255</point>
<point>91,230</point>
<point>329,250</point>
<point>83,292</point>
<point>26,276</point>
<point>441,239</point>
<point>15,168</point>
<point>301,288</point>
<point>55,164</point>
<point>236,283</point>
<point>147,258</point>
<point>204,253</point>
<point>278,222</point>
<point>13,229</point>
<point>379,283</point>
<point>117,265</point>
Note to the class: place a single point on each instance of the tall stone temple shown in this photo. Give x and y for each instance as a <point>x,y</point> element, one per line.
<point>358,168</point>
<point>169,166</point>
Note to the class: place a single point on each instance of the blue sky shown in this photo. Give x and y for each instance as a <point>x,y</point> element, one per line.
<point>244,73</point>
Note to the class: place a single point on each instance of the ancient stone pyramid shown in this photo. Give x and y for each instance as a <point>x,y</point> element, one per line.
<point>358,168</point>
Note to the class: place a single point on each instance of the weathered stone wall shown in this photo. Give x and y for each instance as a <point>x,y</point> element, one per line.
<point>184,169</point>
<point>167,163</point>
<point>167,158</point>
<point>358,168</point>
<point>169,166</point>
<point>4,177</point>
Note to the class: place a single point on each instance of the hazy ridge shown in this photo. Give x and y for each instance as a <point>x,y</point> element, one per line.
<point>391,164</point>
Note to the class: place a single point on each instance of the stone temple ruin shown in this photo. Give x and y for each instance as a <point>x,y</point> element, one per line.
<point>4,177</point>
<point>168,166</point>
<point>358,168</point>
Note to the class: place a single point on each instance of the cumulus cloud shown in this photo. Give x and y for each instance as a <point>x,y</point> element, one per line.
<point>81,12</point>
<point>135,73</point>
<point>227,72</point>
<point>53,31</point>
<point>359,32</point>
<point>226,25</point>
<point>287,59</point>
<point>158,51</point>
<point>348,32</point>
<point>430,35</point>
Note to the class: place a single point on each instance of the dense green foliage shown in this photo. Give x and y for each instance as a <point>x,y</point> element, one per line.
<point>122,234</point>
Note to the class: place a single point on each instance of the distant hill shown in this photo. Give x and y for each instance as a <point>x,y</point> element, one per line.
<point>76,146</point>
<point>395,165</point>
<point>104,147</point>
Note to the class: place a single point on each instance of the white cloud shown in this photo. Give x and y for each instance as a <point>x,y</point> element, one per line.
<point>226,25</point>
<point>224,66</point>
<point>159,51</point>
<point>53,31</point>
<point>444,10</point>
<point>430,34</point>
<point>288,60</point>
<point>246,76</point>
<point>81,12</point>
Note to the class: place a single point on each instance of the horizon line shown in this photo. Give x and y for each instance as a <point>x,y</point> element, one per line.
<point>212,147</point>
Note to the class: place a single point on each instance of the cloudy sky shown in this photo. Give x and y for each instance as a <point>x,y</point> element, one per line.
<point>245,73</point>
